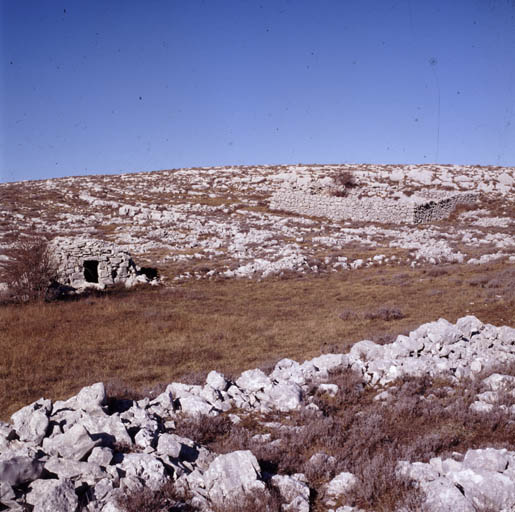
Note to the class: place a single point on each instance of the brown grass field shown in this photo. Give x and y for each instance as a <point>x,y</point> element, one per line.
<point>139,340</point>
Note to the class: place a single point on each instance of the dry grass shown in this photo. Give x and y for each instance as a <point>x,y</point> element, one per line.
<point>149,336</point>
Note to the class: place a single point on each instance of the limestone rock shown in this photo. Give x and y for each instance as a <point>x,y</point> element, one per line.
<point>101,456</point>
<point>489,459</point>
<point>485,488</point>
<point>74,444</point>
<point>253,380</point>
<point>231,476</point>
<point>443,496</point>
<point>293,491</point>
<point>53,496</point>
<point>146,467</point>
<point>19,470</point>
<point>216,381</point>
<point>338,487</point>
<point>31,422</point>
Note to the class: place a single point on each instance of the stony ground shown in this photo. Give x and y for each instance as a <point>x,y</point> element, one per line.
<point>215,222</point>
<point>423,423</point>
<point>419,421</point>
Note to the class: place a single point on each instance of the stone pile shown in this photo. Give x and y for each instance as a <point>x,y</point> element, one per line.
<point>62,455</point>
<point>87,262</point>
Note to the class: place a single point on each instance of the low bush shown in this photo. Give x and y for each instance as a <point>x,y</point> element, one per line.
<point>344,181</point>
<point>424,418</point>
<point>386,313</point>
<point>29,271</point>
<point>166,499</point>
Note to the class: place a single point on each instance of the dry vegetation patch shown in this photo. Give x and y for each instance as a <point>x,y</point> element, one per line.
<point>145,337</point>
<point>354,432</point>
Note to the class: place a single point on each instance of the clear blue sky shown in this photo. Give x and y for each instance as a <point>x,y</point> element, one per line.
<point>99,86</point>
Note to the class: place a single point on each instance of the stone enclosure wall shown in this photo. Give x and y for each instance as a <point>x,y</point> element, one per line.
<point>413,210</point>
<point>83,262</point>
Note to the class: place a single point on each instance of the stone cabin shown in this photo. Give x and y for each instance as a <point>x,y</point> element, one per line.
<point>91,263</point>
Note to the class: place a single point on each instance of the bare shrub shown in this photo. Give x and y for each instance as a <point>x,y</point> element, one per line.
<point>267,500</point>
<point>202,431</point>
<point>380,486</point>
<point>348,314</point>
<point>29,271</point>
<point>344,181</point>
<point>165,499</point>
<point>480,281</point>
<point>437,272</point>
<point>386,313</point>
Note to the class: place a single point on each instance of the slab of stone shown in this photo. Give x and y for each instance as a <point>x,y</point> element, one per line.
<point>231,476</point>
<point>146,467</point>
<point>31,422</point>
<point>74,444</point>
<point>338,487</point>
<point>53,496</point>
<point>443,496</point>
<point>489,459</point>
<point>294,493</point>
<point>217,381</point>
<point>485,488</point>
<point>253,380</point>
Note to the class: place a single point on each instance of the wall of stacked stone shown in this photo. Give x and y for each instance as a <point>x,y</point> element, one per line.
<point>414,210</point>
<point>437,209</point>
<point>75,259</point>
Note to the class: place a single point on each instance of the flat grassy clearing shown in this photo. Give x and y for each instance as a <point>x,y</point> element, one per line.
<point>145,338</point>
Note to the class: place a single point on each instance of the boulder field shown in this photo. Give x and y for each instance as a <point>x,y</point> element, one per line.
<point>90,451</point>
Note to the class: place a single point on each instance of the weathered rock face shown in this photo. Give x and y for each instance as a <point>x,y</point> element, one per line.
<point>84,262</point>
<point>56,454</point>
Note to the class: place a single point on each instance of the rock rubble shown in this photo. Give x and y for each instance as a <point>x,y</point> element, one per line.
<point>83,454</point>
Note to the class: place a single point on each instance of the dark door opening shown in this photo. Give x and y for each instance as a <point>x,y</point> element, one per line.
<point>149,272</point>
<point>91,271</point>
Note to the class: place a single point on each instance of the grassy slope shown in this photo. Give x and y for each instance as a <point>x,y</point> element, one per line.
<point>149,337</point>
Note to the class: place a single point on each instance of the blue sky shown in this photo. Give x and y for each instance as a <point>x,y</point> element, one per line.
<point>101,86</point>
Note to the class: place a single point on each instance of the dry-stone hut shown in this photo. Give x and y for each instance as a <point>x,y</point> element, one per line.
<point>85,262</point>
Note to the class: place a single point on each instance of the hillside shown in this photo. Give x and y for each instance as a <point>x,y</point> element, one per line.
<point>384,351</point>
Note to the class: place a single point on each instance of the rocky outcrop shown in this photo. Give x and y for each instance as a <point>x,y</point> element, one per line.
<point>64,455</point>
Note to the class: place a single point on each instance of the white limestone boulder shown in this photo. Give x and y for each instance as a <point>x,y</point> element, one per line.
<point>31,422</point>
<point>231,476</point>
<point>53,496</point>
<point>74,444</point>
<point>251,381</point>
<point>294,492</point>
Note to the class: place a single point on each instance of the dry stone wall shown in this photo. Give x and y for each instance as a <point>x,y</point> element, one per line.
<point>413,210</point>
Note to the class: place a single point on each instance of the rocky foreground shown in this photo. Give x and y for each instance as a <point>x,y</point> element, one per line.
<point>283,441</point>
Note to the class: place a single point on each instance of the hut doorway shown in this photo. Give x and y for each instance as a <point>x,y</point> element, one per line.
<point>91,271</point>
